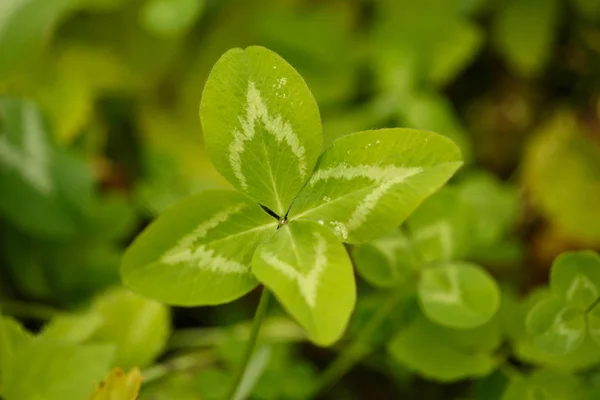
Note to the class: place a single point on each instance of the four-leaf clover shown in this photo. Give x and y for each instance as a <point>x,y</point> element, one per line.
<point>294,206</point>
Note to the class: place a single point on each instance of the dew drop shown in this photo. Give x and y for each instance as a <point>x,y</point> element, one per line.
<point>326,199</point>
<point>340,228</point>
<point>321,222</point>
<point>377,142</point>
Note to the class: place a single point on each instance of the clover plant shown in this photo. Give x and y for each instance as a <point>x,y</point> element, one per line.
<point>561,320</point>
<point>294,205</point>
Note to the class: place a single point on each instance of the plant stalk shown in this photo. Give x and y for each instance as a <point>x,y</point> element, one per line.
<point>261,311</point>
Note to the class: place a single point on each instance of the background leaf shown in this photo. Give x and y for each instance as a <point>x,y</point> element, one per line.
<point>458,294</point>
<point>556,328</point>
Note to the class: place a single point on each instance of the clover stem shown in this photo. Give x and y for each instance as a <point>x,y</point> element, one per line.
<point>259,316</point>
<point>357,350</point>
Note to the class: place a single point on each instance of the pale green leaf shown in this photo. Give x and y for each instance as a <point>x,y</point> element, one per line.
<point>524,31</point>
<point>137,326</point>
<point>446,354</point>
<point>368,182</point>
<point>310,273</point>
<point>575,277</point>
<point>556,328</point>
<point>48,370</point>
<point>458,294</point>
<point>199,251</point>
<point>261,125</point>
<point>386,262</point>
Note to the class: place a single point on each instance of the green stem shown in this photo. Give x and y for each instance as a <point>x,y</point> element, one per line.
<point>357,350</point>
<point>261,311</point>
<point>181,363</point>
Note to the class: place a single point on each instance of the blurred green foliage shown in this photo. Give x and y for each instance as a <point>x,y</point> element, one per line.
<point>99,133</point>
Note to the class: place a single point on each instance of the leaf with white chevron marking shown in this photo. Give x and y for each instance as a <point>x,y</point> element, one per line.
<point>199,251</point>
<point>458,295</point>
<point>261,125</point>
<point>368,182</point>
<point>310,273</point>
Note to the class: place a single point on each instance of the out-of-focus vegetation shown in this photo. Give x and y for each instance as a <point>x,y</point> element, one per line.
<point>99,133</point>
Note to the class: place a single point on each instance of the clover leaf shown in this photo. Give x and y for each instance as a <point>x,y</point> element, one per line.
<point>284,227</point>
<point>560,320</point>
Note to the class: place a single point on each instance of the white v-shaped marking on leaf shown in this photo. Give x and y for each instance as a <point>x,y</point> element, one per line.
<point>280,129</point>
<point>31,162</point>
<point>308,283</point>
<point>453,295</point>
<point>385,177</point>
<point>202,256</point>
<point>581,282</point>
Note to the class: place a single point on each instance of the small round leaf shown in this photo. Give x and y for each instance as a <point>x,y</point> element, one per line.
<point>385,262</point>
<point>459,295</point>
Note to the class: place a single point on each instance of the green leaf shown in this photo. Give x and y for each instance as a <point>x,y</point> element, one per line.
<point>545,384</point>
<point>386,262</point>
<point>368,182</point>
<point>524,33</point>
<point>575,277</point>
<point>169,18</point>
<point>310,273</point>
<point>556,328</point>
<point>582,358</point>
<point>199,251</point>
<point>261,125</point>
<point>432,32</point>
<point>593,320</point>
<point>446,354</point>
<point>48,370</point>
<point>139,327</point>
<point>12,338</point>
<point>24,29</point>
<point>492,205</point>
<point>458,294</point>
<point>46,190</point>
<point>432,111</point>
<point>440,227</point>
<point>73,329</point>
